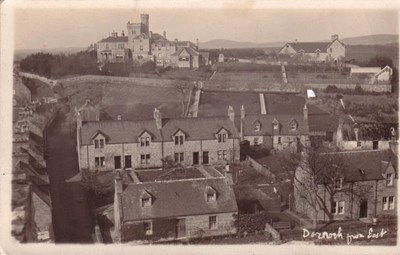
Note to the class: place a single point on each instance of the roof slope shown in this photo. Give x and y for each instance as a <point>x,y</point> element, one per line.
<point>310,47</point>
<point>323,123</point>
<point>177,198</point>
<point>370,162</point>
<point>189,50</point>
<point>112,39</point>
<point>266,125</point>
<point>127,131</point>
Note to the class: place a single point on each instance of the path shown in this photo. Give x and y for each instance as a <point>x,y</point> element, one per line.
<point>73,221</point>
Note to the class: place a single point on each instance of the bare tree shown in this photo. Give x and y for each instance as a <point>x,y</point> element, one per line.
<point>182,89</point>
<point>317,172</point>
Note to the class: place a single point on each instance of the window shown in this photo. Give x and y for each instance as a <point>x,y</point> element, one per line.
<point>128,162</point>
<point>211,197</point>
<point>389,179</point>
<point>98,143</point>
<point>257,127</point>
<point>120,46</point>
<point>212,222</point>
<point>99,161</point>
<point>179,157</point>
<point>145,159</point>
<point>221,138</point>
<point>293,126</point>
<point>388,203</point>
<point>148,228</point>
<point>146,202</point>
<point>144,141</point>
<point>317,54</point>
<point>330,49</point>
<point>178,139</point>
<point>358,143</point>
<point>221,154</point>
<point>339,183</point>
<point>184,59</point>
<point>337,207</point>
<point>141,47</point>
<point>255,140</point>
<point>276,126</point>
<point>279,140</point>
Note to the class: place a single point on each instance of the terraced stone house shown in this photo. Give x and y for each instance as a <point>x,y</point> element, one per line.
<point>113,145</point>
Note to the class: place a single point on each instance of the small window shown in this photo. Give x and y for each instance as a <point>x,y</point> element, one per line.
<point>341,207</point>
<point>99,161</point>
<point>338,184</point>
<point>98,143</point>
<point>221,138</point>
<point>389,179</point>
<point>337,207</point>
<point>276,126</point>
<point>334,208</point>
<point>145,159</point>
<point>148,228</point>
<point>147,141</point>
<point>178,139</point>
<point>279,140</point>
<point>293,126</point>
<point>385,203</point>
<point>255,140</point>
<point>128,162</point>
<point>388,203</point>
<point>212,222</point>
<point>330,49</point>
<point>144,141</point>
<point>257,127</point>
<point>179,157</point>
<point>146,202</point>
<point>358,143</point>
<point>391,202</point>
<point>211,197</point>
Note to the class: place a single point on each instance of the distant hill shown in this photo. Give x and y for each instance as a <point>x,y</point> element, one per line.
<point>379,39</point>
<point>20,54</point>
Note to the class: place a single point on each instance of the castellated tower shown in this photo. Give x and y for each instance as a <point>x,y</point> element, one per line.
<point>144,19</point>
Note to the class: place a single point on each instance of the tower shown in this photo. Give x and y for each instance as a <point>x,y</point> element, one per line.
<point>144,19</point>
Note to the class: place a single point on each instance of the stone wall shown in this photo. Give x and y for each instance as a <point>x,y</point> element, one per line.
<point>366,87</point>
<point>364,145</point>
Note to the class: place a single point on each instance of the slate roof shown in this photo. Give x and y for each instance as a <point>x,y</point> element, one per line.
<point>189,50</point>
<point>310,47</point>
<point>323,123</point>
<point>156,36</point>
<point>370,162</point>
<point>266,125</point>
<point>177,198</point>
<point>127,131</point>
<point>112,39</point>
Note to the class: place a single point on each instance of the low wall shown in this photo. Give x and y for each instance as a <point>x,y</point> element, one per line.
<point>259,168</point>
<point>365,87</point>
<point>365,145</point>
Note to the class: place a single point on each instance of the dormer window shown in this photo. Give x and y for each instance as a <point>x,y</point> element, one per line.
<point>275,125</point>
<point>389,179</point>
<point>338,184</point>
<point>99,143</point>
<point>257,126</point>
<point>222,138</point>
<point>178,139</point>
<point>146,200</point>
<point>211,194</point>
<point>293,125</point>
<point>144,141</point>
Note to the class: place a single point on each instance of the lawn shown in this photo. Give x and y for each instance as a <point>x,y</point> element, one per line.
<point>131,98</point>
<point>363,53</point>
<point>248,76</point>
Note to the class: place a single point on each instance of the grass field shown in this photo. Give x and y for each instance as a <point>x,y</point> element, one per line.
<point>248,76</point>
<point>131,101</point>
<point>365,52</point>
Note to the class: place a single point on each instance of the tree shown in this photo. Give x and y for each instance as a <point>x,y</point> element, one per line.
<point>183,90</point>
<point>317,172</point>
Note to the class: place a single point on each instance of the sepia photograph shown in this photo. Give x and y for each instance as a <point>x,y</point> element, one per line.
<point>208,127</point>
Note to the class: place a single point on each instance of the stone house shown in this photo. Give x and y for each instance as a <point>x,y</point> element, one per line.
<point>171,210</point>
<point>275,131</point>
<point>365,188</point>
<point>110,145</point>
<point>316,51</point>
<point>141,44</point>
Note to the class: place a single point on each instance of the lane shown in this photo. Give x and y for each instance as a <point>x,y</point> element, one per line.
<point>73,220</point>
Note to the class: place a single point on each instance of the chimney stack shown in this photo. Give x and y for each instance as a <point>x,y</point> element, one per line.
<point>157,118</point>
<point>197,43</point>
<point>150,34</point>
<point>122,33</point>
<point>335,37</point>
<point>242,116</point>
<point>117,206</point>
<point>305,112</point>
<point>165,35</point>
<point>231,113</point>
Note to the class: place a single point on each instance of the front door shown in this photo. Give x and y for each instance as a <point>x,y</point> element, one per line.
<point>364,209</point>
<point>195,158</point>
<point>181,228</point>
<point>205,157</point>
<point>117,162</point>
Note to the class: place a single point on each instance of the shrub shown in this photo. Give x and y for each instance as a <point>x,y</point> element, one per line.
<point>331,89</point>
<point>358,89</point>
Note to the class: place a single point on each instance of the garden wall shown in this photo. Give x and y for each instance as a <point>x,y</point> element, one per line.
<point>365,87</point>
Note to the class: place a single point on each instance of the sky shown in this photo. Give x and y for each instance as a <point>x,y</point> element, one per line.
<point>54,28</point>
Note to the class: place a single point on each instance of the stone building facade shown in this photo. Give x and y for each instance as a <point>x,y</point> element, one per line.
<point>316,51</point>
<point>110,145</point>
<point>367,188</point>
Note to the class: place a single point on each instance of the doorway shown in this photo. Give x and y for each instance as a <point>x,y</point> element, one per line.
<point>195,158</point>
<point>375,145</point>
<point>205,157</point>
<point>181,228</point>
<point>364,209</point>
<point>117,162</point>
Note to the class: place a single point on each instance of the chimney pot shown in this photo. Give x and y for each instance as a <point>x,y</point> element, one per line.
<point>231,113</point>
<point>157,118</point>
<point>165,34</point>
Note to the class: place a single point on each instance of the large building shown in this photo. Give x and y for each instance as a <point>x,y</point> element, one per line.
<point>316,51</point>
<point>141,44</point>
<point>113,145</point>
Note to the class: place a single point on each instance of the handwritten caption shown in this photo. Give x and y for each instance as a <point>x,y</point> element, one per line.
<point>339,235</point>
